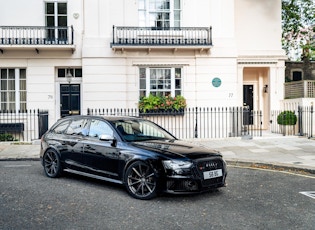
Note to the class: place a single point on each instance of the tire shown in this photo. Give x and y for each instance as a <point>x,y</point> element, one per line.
<point>52,164</point>
<point>141,181</point>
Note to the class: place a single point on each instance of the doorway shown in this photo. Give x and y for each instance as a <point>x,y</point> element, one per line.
<point>248,103</point>
<point>70,99</point>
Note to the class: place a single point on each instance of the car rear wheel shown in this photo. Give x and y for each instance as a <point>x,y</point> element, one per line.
<point>52,164</point>
<point>140,181</point>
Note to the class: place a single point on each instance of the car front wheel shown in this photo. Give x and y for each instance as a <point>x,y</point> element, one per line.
<point>140,181</point>
<point>52,164</point>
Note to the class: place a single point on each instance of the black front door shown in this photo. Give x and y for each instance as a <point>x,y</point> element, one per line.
<point>248,103</point>
<point>69,99</point>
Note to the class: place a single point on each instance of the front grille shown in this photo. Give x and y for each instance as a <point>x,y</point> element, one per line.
<point>209,165</point>
<point>182,186</point>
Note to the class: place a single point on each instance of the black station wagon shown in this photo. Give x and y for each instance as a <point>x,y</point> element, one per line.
<point>131,151</point>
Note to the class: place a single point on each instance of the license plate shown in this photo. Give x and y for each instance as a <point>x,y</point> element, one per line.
<point>212,174</point>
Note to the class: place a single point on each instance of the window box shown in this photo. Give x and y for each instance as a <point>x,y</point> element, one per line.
<point>162,112</point>
<point>162,105</point>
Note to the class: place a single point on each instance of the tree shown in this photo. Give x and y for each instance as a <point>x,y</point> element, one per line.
<point>298,27</point>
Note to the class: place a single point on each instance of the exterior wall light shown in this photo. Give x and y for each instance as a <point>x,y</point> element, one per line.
<point>266,89</point>
<point>69,76</point>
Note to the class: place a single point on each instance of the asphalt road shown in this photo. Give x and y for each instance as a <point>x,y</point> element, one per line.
<point>253,199</point>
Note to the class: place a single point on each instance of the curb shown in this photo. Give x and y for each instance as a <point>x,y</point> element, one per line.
<point>20,159</point>
<point>272,166</point>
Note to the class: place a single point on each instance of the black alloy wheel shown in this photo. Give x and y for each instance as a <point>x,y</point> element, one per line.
<point>52,164</point>
<point>140,181</point>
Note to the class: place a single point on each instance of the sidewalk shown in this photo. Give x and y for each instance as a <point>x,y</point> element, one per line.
<point>273,151</point>
<point>276,152</point>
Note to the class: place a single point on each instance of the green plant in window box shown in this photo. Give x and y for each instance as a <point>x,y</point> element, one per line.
<point>161,104</point>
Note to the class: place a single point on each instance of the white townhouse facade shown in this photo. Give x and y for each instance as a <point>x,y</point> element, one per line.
<point>70,55</point>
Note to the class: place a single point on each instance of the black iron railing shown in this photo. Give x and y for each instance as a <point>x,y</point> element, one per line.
<point>36,35</point>
<point>23,125</point>
<point>304,126</point>
<point>155,36</point>
<point>221,122</point>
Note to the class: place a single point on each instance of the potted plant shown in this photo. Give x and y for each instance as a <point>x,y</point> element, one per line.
<point>162,104</point>
<point>287,120</point>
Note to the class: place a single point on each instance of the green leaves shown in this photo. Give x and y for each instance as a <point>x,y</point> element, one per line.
<point>158,103</point>
<point>298,18</point>
<point>287,118</point>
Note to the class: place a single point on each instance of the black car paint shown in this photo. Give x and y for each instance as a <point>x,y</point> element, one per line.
<point>109,159</point>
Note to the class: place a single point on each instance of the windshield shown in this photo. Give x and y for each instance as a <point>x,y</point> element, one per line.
<point>140,130</point>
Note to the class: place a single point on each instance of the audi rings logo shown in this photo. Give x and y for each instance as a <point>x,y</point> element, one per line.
<point>211,165</point>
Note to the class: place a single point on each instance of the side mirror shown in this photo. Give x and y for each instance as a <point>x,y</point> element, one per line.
<point>106,137</point>
<point>109,138</point>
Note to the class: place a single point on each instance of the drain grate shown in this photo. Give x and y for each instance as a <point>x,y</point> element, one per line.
<point>310,194</point>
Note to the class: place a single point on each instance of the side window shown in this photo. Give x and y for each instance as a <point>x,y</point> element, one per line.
<point>98,128</point>
<point>78,127</point>
<point>61,127</point>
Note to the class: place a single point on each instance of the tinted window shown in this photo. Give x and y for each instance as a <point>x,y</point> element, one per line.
<point>78,127</point>
<point>61,127</point>
<point>98,128</point>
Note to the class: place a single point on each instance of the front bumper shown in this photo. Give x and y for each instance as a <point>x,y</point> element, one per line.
<point>192,181</point>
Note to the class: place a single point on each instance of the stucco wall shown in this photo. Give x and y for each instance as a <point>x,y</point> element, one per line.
<point>242,29</point>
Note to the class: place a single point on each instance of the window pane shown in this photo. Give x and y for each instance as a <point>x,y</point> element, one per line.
<point>4,85</point>
<point>177,83</point>
<point>142,73</point>
<point>78,72</point>
<point>62,20</point>
<point>99,128</point>
<point>142,84</point>
<point>50,21</point>
<point>178,72</point>
<point>61,72</point>
<point>176,4</point>
<point>3,74</point>
<point>22,73</point>
<point>11,96</point>
<point>50,9</point>
<point>3,97</point>
<point>142,93</point>
<point>22,84</point>
<point>77,127</point>
<point>23,96</point>
<point>11,106</point>
<point>177,15</point>
<point>62,8</point>
<point>22,106</point>
<point>11,85</point>
<point>61,127</point>
<point>11,73</point>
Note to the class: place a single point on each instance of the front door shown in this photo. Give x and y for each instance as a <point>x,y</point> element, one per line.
<point>248,103</point>
<point>69,99</point>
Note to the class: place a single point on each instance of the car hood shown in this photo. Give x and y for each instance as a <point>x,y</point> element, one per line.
<point>176,149</point>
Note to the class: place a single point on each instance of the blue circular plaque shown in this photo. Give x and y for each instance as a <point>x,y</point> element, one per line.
<point>216,82</point>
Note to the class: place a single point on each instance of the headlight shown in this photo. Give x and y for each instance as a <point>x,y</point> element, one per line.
<point>176,164</point>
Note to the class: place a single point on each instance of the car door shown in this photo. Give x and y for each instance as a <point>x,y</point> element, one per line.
<point>100,157</point>
<point>73,140</point>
